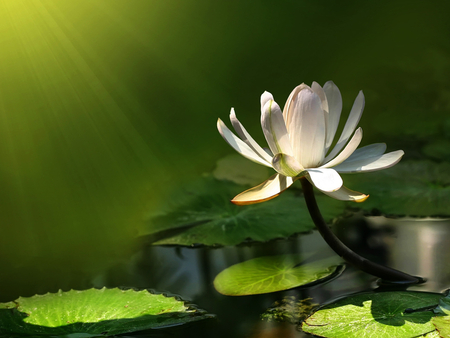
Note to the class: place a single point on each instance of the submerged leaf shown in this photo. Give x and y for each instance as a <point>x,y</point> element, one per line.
<point>414,188</point>
<point>380,315</point>
<point>273,273</point>
<point>206,216</point>
<point>93,312</point>
<point>290,310</point>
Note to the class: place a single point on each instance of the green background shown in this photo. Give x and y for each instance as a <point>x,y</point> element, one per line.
<point>108,105</point>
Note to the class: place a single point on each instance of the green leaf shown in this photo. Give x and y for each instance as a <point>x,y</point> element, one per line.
<point>238,169</point>
<point>205,215</point>
<point>380,315</point>
<point>273,273</point>
<point>414,188</point>
<point>93,312</point>
<point>442,324</point>
<point>442,321</point>
<point>433,334</point>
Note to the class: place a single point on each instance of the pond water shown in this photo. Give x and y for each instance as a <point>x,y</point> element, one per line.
<point>416,246</point>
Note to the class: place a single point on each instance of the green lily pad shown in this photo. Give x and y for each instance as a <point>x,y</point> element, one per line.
<point>442,320</point>
<point>433,334</point>
<point>380,315</point>
<point>93,312</point>
<point>273,273</point>
<point>414,188</point>
<point>442,324</point>
<point>204,215</point>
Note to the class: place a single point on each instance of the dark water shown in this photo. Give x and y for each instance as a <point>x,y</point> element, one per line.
<point>416,246</point>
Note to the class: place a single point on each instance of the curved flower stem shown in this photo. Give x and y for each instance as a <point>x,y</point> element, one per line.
<point>383,272</point>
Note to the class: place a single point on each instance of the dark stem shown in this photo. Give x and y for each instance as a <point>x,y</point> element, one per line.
<point>383,272</point>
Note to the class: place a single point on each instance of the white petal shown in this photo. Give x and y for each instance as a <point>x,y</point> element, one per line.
<point>306,127</point>
<point>325,179</point>
<point>268,151</point>
<point>350,125</point>
<point>345,194</point>
<point>266,96</point>
<point>289,106</point>
<point>348,150</point>
<point>267,190</point>
<point>245,136</point>
<point>370,163</point>
<point>334,99</point>
<point>286,165</point>
<point>239,145</point>
<point>274,128</point>
<point>316,88</point>
<point>375,149</point>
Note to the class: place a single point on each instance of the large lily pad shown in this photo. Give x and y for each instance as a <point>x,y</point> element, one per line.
<point>414,188</point>
<point>442,320</point>
<point>273,273</point>
<point>380,315</point>
<point>93,312</point>
<point>205,215</point>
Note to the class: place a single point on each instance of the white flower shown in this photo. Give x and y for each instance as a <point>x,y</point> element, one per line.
<point>300,140</point>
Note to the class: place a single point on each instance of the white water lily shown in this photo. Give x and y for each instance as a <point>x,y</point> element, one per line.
<point>300,140</point>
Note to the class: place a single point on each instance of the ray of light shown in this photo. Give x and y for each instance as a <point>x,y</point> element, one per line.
<point>74,166</point>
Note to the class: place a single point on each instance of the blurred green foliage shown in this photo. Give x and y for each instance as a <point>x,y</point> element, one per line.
<point>107,105</point>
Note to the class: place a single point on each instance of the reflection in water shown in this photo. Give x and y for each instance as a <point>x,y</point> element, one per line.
<point>420,246</point>
<point>412,245</point>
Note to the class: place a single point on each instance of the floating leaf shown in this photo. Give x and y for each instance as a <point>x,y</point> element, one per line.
<point>380,315</point>
<point>442,321</point>
<point>414,188</point>
<point>93,312</point>
<point>433,334</point>
<point>206,216</point>
<point>273,273</point>
<point>442,324</point>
